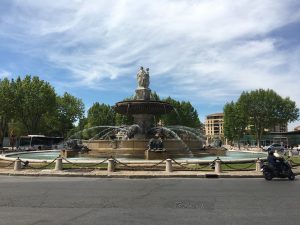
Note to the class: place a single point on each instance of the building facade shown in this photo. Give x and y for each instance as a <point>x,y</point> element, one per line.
<point>214,127</point>
<point>281,128</point>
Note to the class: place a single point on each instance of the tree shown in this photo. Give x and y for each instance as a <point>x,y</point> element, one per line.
<point>79,130</point>
<point>123,119</point>
<point>69,109</point>
<point>100,114</point>
<point>7,106</point>
<point>235,122</point>
<point>189,115</point>
<point>33,99</point>
<point>184,114</point>
<point>265,109</point>
<point>154,96</point>
<point>99,118</point>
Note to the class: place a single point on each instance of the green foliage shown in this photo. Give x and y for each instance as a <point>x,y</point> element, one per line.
<point>30,106</point>
<point>6,106</point>
<point>185,114</point>
<point>69,110</point>
<point>78,131</point>
<point>261,109</point>
<point>235,121</point>
<point>154,96</point>
<point>100,114</point>
<point>33,99</point>
<point>123,120</point>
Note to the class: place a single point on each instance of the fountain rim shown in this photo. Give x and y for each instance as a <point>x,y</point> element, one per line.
<point>5,157</point>
<point>159,107</point>
<point>144,101</point>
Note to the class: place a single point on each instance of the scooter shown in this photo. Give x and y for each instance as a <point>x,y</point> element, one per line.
<point>282,170</point>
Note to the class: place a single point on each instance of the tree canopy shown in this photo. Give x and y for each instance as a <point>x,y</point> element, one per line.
<point>100,114</point>
<point>184,114</point>
<point>235,122</point>
<point>33,99</point>
<point>69,110</point>
<point>261,109</point>
<point>31,106</point>
<point>7,104</point>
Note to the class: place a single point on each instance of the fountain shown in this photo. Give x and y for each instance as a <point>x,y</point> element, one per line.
<point>144,139</point>
<point>140,142</point>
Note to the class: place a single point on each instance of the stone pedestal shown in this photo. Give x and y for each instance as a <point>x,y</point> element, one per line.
<point>145,122</point>
<point>142,94</point>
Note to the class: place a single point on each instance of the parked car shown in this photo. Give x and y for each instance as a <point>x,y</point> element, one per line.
<point>274,147</point>
<point>297,148</point>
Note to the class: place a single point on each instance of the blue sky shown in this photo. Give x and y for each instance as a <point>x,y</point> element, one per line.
<point>205,51</point>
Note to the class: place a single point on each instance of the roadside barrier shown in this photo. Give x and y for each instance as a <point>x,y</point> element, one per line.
<point>17,165</point>
<point>169,168</point>
<point>120,165</point>
<point>87,165</point>
<point>201,168</point>
<point>246,168</point>
<point>169,165</point>
<point>218,168</point>
<point>111,165</point>
<point>10,164</point>
<point>26,164</point>
<point>258,165</point>
<point>58,164</point>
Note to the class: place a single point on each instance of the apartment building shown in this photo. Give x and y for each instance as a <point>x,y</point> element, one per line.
<point>214,127</point>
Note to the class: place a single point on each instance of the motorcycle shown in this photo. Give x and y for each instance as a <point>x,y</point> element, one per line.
<point>282,170</point>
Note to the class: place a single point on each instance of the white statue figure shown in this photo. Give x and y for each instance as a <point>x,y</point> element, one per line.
<point>143,78</point>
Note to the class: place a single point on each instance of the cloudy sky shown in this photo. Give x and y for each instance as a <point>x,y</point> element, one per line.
<point>205,51</point>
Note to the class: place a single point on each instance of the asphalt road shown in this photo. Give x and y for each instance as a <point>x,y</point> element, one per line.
<point>50,200</point>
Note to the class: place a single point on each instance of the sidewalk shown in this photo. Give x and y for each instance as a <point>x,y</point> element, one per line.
<point>136,174</point>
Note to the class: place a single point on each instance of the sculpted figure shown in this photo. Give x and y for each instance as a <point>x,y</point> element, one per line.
<point>143,78</point>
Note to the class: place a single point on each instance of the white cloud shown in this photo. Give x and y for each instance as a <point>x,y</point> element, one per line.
<point>207,50</point>
<point>5,74</point>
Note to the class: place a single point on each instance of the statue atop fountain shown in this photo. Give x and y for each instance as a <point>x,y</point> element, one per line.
<point>143,80</point>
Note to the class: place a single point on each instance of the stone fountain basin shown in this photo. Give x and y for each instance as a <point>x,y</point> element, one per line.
<point>137,148</point>
<point>134,107</point>
<point>247,156</point>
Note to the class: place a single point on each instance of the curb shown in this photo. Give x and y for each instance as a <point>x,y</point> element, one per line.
<point>132,176</point>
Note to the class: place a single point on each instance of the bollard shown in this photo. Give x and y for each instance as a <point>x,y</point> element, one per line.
<point>111,165</point>
<point>17,165</point>
<point>169,168</point>
<point>218,166</point>
<point>290,153</point>
<point>58,164</point>
<point>258,165</point>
